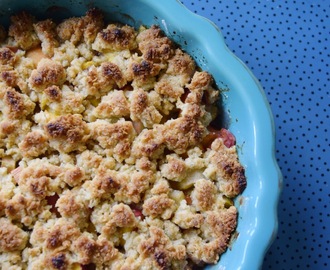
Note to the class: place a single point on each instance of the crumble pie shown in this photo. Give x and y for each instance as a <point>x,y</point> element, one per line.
<point>108,155</point>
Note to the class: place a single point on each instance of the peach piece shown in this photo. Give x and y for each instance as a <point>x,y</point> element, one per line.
<point>35,54</point>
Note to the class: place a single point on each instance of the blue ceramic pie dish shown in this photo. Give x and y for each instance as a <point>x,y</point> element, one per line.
<point>247,111</point>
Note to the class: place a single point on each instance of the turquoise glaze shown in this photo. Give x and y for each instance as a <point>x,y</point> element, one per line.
<point>248,113</point>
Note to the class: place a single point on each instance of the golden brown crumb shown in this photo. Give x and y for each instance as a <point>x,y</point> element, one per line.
<point>121,217</point>
<point>154,45</point>
<point>48,73</point>
<point>200,81</point>
<point>144,164</point>
<point>222,223</point>
<point>53,93</point>
<point>143,71</point>
<point>161,250</point>
<point>67,132</point>
<point>89,160</point>
<point>217,228</point>
<point>170,86</point>
<point>105,78</point>
<point>181,64</point>
<point>117,137</point>
<point>17,104</point>
<point>12,238</point>
<point>81,29</point>
<point>56,261</point>
<point>85,247</point>
<point>149,143</point>
<point>205,252</point>
<point>115,38</point>
<point>21,29</point>
<point>114,104</point>
<point>43,168</point>
<point>93,23</point>
<point>74,177</point>
<point>139,103</point>
<point>180,69</point>
<point>106,183</point>
<point>23,209</point>
<point>66,127</point>
<point>37,182</point>
<point>33,144</point>
<point>7,127</point>
<point>150,33</point>
<point>161,186</point>
<point>105,251</point>
<point>60,233</point>
<point>10,77</point>
<point>199,87</point>
<point>71,207</point>
<point>71,29</point>
<point>45,31</point>
<point>142,110</point>
<point>38,187</point>
<point>139,183</point>
<point>204,195</point>
<point>175,169</point>
<point>182,133</point>
<point>230,171</point>
<point>159,205</point>
<point>7,56</point>
<point>56,234</point>
<point>110,71</point>
<point>14,101</point>
<point>186,217</point>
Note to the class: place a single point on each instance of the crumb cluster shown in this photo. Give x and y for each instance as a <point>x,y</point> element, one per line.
<point>108,158</point>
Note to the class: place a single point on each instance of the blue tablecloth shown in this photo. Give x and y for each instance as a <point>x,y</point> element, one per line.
<point>286,45</point>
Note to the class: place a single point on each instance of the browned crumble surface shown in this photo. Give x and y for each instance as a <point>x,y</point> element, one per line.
<point>102,147</point>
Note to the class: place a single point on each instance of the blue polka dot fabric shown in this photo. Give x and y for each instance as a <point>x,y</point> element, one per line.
<point>286,45</point>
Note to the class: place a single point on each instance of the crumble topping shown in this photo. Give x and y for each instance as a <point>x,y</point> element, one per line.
<point>108,155</point>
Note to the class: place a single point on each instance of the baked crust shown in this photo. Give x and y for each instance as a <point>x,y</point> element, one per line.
<point>108,159</point>
<point>12,238</point>
<point>22,30</point>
